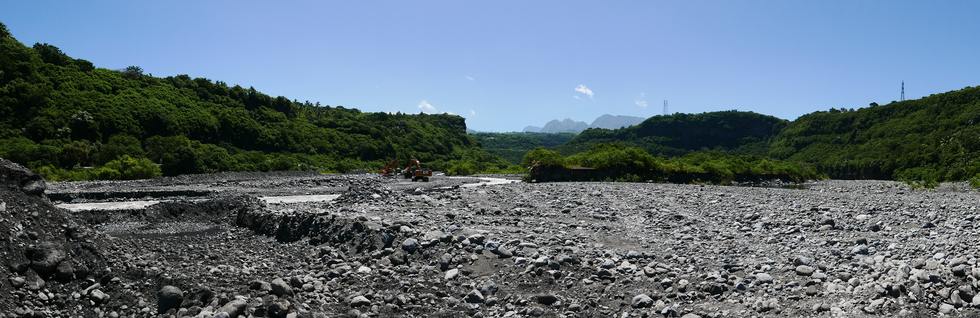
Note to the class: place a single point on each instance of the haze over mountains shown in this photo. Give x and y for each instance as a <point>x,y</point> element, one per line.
<point>568,125</point>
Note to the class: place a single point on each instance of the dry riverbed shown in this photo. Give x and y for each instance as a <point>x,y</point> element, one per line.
<point>216,245</point>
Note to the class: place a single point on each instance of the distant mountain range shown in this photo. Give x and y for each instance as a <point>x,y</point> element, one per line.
<point>568,125</point>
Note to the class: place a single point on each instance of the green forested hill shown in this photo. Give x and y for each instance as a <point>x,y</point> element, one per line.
<point>60,113</point>
<point>679,134</point>
<point>513,145</point>
<point>933,138</point>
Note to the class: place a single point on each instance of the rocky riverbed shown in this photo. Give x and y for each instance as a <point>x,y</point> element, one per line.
<point>390,248</point>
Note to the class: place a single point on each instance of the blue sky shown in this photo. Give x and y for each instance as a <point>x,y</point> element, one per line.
<point>507,64</point>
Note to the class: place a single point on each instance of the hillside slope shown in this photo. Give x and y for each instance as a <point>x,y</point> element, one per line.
<point>936,137</point>
<point>513,145</point>
<point>60,112</point>
<point>566,125</point>
<point>608,121</point>
<point>678,134</point>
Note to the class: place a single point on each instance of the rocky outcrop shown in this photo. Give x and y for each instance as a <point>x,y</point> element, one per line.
<point>15,177</point>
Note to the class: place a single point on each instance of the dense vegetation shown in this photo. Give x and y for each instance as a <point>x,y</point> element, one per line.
<point>679,134</point>
<point>61,114</point>
<point>513,145</point>
<point>612,162</point>
<point>936,138</point>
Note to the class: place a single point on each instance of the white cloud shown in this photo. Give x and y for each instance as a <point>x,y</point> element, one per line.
<point>471,78</point>
<point>576,97</point>
<point>584,90</point>
<point>427,108</point>
<point>472,113</point>
<point>641,101</point>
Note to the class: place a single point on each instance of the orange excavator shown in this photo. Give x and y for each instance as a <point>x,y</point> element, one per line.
<point>390,168</point>
<point>416,172</point>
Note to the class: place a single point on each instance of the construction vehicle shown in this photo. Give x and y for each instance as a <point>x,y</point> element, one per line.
<point>416,172</point>
<point>390,168</point>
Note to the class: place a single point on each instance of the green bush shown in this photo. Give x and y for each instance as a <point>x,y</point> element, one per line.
<point>920,177</point>
<point>461,168</point>
<point>543,158</point>
<point>129,168</point>
<point>975,181</point>
<point>124,168</point>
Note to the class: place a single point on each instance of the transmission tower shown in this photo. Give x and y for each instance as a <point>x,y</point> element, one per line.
<point>903,91</point>
<point>665,107</point>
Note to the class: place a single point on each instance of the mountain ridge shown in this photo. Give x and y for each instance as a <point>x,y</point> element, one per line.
<point>568,125</point>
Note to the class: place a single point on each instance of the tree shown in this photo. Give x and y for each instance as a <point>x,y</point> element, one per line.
<point>118,146</point>
<point>133,72</point>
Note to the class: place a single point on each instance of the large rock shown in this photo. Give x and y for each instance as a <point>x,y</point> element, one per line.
<point>169,297</point>
<point>641,301</point>
<point>474,297</point>
<point>281,288</point>
<point>546,299</point>
<point>15,177</point>
<point>410,245</point>
<point>234,308</point>
<point>45,258</point>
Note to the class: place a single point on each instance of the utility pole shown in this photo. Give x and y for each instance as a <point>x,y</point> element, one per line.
<point>903,91</point>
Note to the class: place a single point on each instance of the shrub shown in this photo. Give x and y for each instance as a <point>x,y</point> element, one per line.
<point>129,168</point>
<point>461,168</point>
<point>919,177</point>
<point>543,157</point>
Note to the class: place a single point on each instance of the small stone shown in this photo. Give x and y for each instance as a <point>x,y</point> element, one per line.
<point>641,301</point>
<point>860,250</point>
<point>946,308</point>
<point>260,285</point>
<point>435,236</point>
<point>17,282</point>
<point>503,252</point>
<point>802,260</point>
<point>763,278</point>
<point>804,270</point>
<point>960,270</point>
<point>98,296</point>
<point>359,301</point>
<point>452,273</point>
